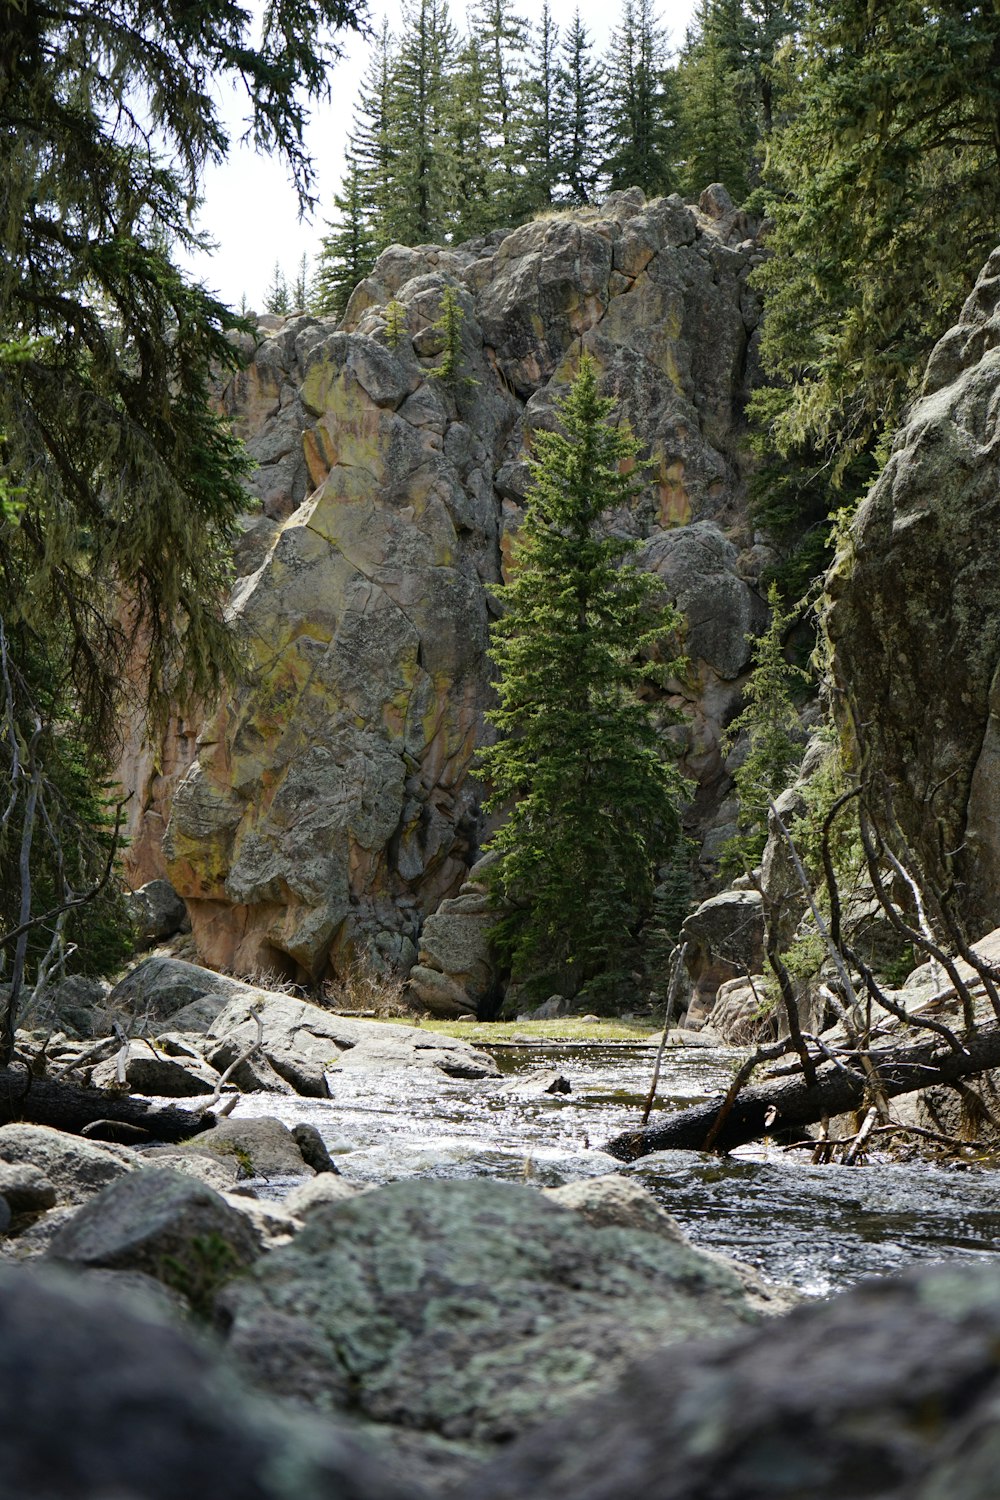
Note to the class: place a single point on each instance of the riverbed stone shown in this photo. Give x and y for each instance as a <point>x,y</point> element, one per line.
<point>466,1311</point>
<point>164,987</point>
<point>104,1395</point>
<point>617,1201</point>
<point>260,1146</point>
<point>77,1168</point>
<point>165,1224</point>
<point>725,940</point>
<point>887,1392</point>
<point>166,1077</point>
<point>26,1189</point>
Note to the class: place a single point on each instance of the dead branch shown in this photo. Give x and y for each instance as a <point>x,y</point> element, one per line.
<point>237,1062</point>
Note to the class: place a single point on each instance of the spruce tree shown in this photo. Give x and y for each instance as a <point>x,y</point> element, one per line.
<point>538,105</point>
<point>422,168</point>
<point>579,150</point>
<point>502,38</point>
<point>640,107</point>
<point>347,253</point>
<point>591,797</point>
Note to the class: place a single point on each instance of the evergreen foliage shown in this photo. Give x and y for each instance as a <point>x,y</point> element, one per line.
<point>591,799</point>
<point>502,38</point>
<point>886,196</point>
<point>348,251</point>
<point>277,298</point>
<point>539,113</point>
<point>579,144</point>
<point>641,106</point>
<point>449,325</point>
<point>455,137</point>
<point>774,734</point>
<point>421,176</point>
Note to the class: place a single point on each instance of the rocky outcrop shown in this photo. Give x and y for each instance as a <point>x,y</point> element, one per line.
<point>329,803</point>
<point>725,940</point>
<point>914,616</point>
<point>455,1315</point>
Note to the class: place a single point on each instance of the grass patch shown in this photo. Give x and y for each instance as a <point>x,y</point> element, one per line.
<point>570,1029</point>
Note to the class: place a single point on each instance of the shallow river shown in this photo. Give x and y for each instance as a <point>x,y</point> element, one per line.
<point>818,1228</point>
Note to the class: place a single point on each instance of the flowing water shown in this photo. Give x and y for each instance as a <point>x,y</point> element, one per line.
<point>817,1228</point>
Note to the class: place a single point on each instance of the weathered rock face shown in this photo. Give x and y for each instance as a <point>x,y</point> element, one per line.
<point>914,617</point>
<point>457,1314</point>
<point>889,1392</point>
<point>331,800</point>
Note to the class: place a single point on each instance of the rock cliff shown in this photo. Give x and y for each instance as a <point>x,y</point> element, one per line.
<point>330,800</point>
<point>914,616</point>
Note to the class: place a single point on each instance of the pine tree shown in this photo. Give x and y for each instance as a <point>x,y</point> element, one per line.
<point>579,149</point>
<point>502,39</point>
<point>347,253</point>
<point>538,106</point>
<point>422,168</point>
<point>594,800</point>
<point>277,299</point>
<point>370,150</point>
<point>640,109</point>
<point>717,141</point>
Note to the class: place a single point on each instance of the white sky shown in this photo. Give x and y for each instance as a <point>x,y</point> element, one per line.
<point>251,211</point>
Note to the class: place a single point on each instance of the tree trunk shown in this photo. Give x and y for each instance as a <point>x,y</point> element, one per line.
<point>64,1106</point>
<point>901,1070</point>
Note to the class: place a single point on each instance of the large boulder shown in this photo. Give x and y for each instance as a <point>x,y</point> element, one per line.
<point>75,1167</point>
<point>329,804</point>
<point>102,1397</point>
<point>725,940</point>
<point>914,617</point>
<point>303,1043</point>
<point>165,1224</point>
<point>889,1392</point>
<point>468,1311</point>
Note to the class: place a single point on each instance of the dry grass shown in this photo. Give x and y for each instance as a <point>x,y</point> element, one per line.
<point>369,990</point>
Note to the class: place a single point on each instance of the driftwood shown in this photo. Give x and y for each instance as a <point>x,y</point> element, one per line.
<point>64,1106</point>
<point>837,1091</point>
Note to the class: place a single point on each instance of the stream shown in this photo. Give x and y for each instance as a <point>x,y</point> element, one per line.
<point>816,1228</point>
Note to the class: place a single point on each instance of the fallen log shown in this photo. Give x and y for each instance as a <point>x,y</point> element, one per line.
<point>791,1103</point>
<point>66,1106</point>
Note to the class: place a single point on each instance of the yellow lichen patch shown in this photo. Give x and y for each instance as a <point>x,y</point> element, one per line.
<point>675,502</point>
<point>320,456</point>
